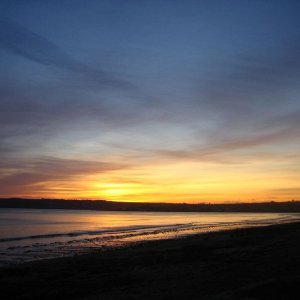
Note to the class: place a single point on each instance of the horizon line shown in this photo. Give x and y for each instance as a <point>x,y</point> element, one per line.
<point>144,202</point>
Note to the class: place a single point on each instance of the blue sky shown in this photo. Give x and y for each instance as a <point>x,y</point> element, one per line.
<point>104,91</point>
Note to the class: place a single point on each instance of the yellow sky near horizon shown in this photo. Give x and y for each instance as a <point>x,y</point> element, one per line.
<point>178,181</point>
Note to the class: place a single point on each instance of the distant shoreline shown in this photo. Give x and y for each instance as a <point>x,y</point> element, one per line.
<point>103,205</point>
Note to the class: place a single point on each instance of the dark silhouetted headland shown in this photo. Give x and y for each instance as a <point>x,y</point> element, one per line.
<point>289,206</point>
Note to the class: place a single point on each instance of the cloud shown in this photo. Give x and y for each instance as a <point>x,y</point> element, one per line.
<point>17,39</point>
<point>289,191</point>
<point>277,131</point>
<point>44,111</point>
<point>249,101</point>
<point>26,172</point>
<point>289,120</point>
<point>247,89</point>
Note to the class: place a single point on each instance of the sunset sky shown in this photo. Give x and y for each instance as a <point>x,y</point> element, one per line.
<point>163,101</point>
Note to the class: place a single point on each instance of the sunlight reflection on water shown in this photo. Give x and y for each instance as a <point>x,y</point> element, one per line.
<point>35,234</point>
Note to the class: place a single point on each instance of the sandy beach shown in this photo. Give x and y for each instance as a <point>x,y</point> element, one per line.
<point>253,263</point>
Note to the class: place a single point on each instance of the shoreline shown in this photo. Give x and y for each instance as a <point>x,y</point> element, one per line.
<point>20,250</point>
<point>258,262</point>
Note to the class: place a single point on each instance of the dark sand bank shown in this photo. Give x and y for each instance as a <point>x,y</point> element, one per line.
<point>254,263</point>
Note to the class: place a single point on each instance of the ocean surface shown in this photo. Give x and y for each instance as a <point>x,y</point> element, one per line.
<point>32,234</point>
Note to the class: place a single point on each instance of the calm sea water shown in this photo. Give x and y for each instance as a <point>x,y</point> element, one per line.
<point>30,234</point>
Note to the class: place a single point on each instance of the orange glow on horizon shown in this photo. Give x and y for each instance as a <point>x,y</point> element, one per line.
<point>177,182</point>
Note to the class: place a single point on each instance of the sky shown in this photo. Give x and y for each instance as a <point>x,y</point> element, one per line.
<point>156,101</point>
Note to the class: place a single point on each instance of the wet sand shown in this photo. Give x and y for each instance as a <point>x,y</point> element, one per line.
<point>253,263</point>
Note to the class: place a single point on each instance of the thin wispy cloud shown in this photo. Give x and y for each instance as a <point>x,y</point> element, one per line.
<point>29,172</point>
<point>23,42</point>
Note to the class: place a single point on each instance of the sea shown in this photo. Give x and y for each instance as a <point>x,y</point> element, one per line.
<point>34,234</point>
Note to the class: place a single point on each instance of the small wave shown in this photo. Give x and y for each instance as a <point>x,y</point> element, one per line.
<point>143,228</point>
<point>96,232</point>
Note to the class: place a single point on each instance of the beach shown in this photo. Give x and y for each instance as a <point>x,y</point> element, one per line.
<point>250,263</point>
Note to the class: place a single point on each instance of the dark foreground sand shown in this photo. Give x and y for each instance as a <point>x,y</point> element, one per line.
<point>256,263</point>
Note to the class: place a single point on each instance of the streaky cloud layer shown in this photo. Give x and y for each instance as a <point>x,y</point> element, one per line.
<point>149,101</point>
